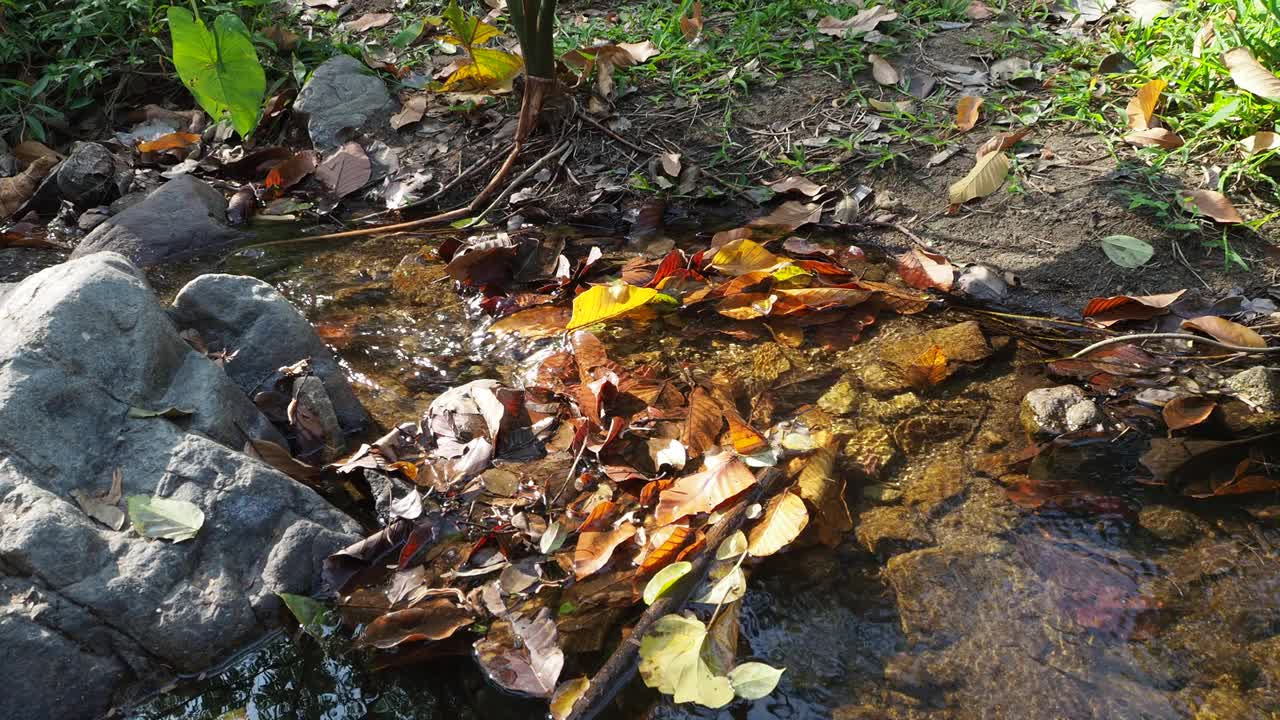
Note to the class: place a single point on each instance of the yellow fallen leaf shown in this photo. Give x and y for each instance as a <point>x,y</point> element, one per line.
<point>1143,105</point>
<point>742,256</point>
<point>784,519</point>
<point>488,70</point>
<point>602,302</point>
<point>985,178</point>
<point>967,112</point>
<point>1248,74</point>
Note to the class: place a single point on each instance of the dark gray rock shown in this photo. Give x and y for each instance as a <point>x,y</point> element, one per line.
<point>235,312</point>
<point>342,93</point>
<point>88,176</point>
<point>87,612</point>
<point>183,218</point>
<point>1057,410</point>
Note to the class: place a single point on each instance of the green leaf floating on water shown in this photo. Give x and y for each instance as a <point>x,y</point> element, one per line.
<point>664,579</point>
<point>671,660</point>
<point>310,613</point>
<point>1127,251</point>
<point>219,67</point>
<point>163,518</point>
<point>754,680</point>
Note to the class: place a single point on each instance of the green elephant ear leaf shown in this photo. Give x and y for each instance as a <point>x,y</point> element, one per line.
<point>220,68</point>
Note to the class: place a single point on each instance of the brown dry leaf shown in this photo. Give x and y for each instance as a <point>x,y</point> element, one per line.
<point>1226,331</point>
<point>929,369</point>
<point>1143,105</point>
<point>283,39</point>
<point>799,184</point>
<point>1108,311</point>
<point>172,141</point>
<point>1248,74</point>
<point>825,492</point>
<point>1154,137</point>
<point>605,58</point>
<point>666,551</point>
<point>702,426</point>
<point>790,215</point>
<point>692,26</point>
<point>978,10</point>
<point>345,171</point>
<point>1261,141</point>
<point>597,539</point>
<point>1002,142</point>
<point>1187,411</point>
<point>784,519</point>
<point>411,112</point>
<point>1212,204</point>
<point>967,113</point>
<point>865,21</point>
<point>290,172</point>
<point>369,21</point>
<point>435,619</point>
<point>723,477</point>
<point>104,508</point>
<point>985,178</point>
<point>883,72</point>
<point>281,459</point>
<point>16,190</point>
<point>523,655</point>
<point>922,270</point>
<point>27,151</point>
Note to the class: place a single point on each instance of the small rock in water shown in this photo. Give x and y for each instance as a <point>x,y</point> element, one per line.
<point>891,529</point>
<point>1169,523</point>
<point>1058,410</point>
<point>841,399</point>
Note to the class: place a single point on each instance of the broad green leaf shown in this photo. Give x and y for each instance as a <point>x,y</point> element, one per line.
<point>405,37</point>
<point>310,613</point>
<point>1127,251</point>
<point>754,680</point>
<point>664,579</point>
<point>603,302</point>
<point>488,70</point>
<point>164,518</point>
<point>671,661</point>
<point>221,68</point>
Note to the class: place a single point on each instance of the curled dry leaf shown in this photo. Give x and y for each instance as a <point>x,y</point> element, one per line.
<point>883,72</point>
<point>1261,142</point>
<point>1108,311</point>
<point>797,183</point>
<point>172,141</point>
<point>1154,137</point>
<point>985,178</point>
<point>865,21</point>
<point>290,172</point>
<point>790,215</point>
<point>598,537</point>
<point>967,113</point>
<point>1002,142</point>
<point>784,519</point>
<point>922,270</point>
<point>1143,105</point>
<point>1226,331</point>
<point>104,508</point>
<point>410,112</point>
<point>1187,411</point>
<point>723,477</point>
<point>1248,74</point>
<point>1212,204</point>
<point>15,191</point>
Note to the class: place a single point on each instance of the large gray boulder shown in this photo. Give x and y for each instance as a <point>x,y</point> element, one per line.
<point>235,312</point>
<point>342,93</point>
<point>183,218</point>
<point>88,612</point>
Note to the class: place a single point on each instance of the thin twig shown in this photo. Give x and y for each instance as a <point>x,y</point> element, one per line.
<point>1173,336</point>
<point>555,154</point>
<point>444,188</point>
<point>899,227</point>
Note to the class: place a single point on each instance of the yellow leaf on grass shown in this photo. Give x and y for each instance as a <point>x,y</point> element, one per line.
<point>488,70</point>
<point>967,112</point>
<point>477,33</point>
<point>742,256</point>
<point>1143,105</point>
<point>782,523</point>
<point>985,178</point>
<point>602,302</point>
<point>1248,74</point>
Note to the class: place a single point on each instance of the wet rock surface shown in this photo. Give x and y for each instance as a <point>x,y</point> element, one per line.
<point>342,94</point>
<point>1058,410</point>
<point>1258,386</point>
<point>184,218</point>
<point>87,612</point>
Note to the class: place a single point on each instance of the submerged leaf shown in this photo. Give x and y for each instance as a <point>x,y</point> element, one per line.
<point>825,491</point>
<point>523,655</point>
<point>598,537</point>
<point>165,518</point>
<point>566,696</point>
<point>309,613</point>
<point>1187,411</point>
<point>435,619</point>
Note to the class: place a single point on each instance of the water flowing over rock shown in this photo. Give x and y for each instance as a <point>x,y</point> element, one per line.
<point>87,611</point>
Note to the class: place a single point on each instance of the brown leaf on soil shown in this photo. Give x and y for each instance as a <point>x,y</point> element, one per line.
<point>1225,331</point>
<point>723,477</point>
<point>1110,310</point>
<point>1002,142</point>
<point>967,113</point>
<point>865,21</point>
<point>824,490</point>
<point>985,178</point>
<point>369,21</point>
<point>783,521</point>
<point>691,26</point>
<point>345,171</point>
<point>290,172</point>
<point>1248,74</point>
<point>1167,456</point>
<point>597,539</point>
<point>789,215</point>
<point>1187,411</point>
<point>16,190</point>
<point>1261,141</point>
<point>883,72</point>
<point>27,151</point>
<point>702,426</point>
<point>929,369</point>
<point>1212,204</point>
<point>1154,137</point>
<point>435,619</point>
<point>410,112</point>
<point>922,270</point>
<point>1143,105</point>
<point>797,183</point>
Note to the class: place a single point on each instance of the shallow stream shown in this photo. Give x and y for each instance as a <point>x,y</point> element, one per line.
<point>1064,590</point>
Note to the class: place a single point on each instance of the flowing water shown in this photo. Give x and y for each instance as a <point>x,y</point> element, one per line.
<point>1065,590</point>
